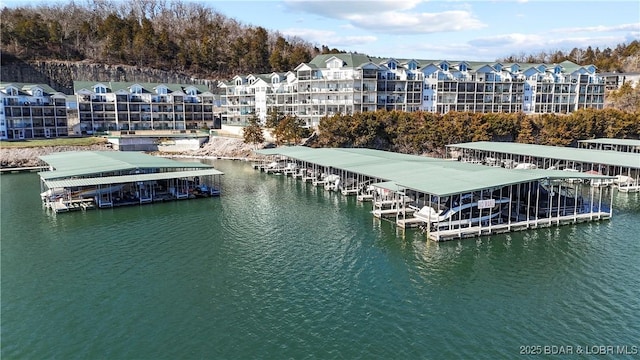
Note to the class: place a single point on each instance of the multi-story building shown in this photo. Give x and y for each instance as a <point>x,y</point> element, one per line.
<point>614,80</point>
<point>255,95</point>
<point>32,111</point>
<point>105,106</point>
<point>348,83</point>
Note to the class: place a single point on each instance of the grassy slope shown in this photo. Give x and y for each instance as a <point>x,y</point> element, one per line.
<point>84,141</point>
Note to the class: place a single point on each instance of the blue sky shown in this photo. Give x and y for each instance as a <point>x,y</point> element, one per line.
<point>452,30</point>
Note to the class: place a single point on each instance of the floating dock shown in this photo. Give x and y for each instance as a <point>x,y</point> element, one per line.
<point>623,168</point>
<point>102,179</point>
<point>608,144</point>
<point>450,199</point>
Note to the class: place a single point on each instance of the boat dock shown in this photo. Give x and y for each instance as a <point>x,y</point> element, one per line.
<point>450,199</point>
<point>71,205</point>
<point>623,167</point>
<point>14,170</point>
<point>86,180</point>
<point>608,144</point>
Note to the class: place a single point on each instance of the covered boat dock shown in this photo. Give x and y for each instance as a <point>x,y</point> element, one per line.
<point>623,167</point>
<point>81,180</point>
<point>608,144</point>
<point>449,199</point>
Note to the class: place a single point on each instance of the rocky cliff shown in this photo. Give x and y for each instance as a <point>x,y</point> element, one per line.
<point>60,75</point>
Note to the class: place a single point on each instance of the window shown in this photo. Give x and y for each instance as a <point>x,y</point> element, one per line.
<point>392,65</point>
<point>463,67</point>
<point>136,89</point>
<point>192,92</point>
<point>161,90</point>
<point>335,64</point>
<point>444,66</point>
<point>412,66</point>
<point>37,92</point>
<point>100,89</point>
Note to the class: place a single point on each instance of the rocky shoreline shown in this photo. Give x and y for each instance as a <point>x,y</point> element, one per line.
<point>217,147</point>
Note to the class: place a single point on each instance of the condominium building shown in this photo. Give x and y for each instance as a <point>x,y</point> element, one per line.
<point>348,83</point>
<point>105,106</point>
<point>31,111</point>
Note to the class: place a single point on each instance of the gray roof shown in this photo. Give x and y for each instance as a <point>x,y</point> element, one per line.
<point>427,175</point>
<point>625,160</point>
<point>84,163</point>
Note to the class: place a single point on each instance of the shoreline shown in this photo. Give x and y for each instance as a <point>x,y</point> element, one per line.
<point>226,148</point>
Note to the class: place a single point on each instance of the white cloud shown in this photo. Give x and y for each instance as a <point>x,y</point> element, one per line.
<point>329,38</point>
<point>600,29</point>
<point>535,42</point>
<point>417,23</point>
<point>374,16</point>
<point>340,9</point>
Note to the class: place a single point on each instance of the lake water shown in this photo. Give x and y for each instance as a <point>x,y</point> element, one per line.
<point>278,269</point>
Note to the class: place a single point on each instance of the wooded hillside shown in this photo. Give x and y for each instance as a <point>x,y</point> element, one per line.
<point>181,36</point>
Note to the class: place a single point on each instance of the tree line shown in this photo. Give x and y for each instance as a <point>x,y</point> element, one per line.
<point>622,58</point>
<point>428,133</point>
<point>187,37</point>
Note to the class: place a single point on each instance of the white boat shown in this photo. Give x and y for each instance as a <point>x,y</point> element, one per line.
<point>469,210</point>
<point>526,166</point>
<point>52,193</point>
<point>626,184</point>
<point>331,182</point>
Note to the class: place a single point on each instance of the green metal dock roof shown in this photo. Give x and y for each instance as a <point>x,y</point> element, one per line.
<point>427,175</point>
<point>625,160</point>
<point>84,163</point>
<point>609,141</point>
<point>107,180</point>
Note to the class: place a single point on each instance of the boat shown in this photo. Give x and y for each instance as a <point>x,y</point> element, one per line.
<point>331,182</point>
<point>466,210</point>
<point>526,166</point>
<point>626,183</point>
<point>545,199</point>
<point>52,194</point>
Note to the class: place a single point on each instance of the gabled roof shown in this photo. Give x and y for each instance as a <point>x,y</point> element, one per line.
<point>486,69</point>
<point>114,86</point>
<point>24,88</point>
<point>349,60</point>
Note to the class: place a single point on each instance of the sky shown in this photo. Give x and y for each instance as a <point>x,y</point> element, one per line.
<point>443,30</point>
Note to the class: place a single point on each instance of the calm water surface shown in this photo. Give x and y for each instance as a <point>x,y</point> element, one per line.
<point>280,269</point>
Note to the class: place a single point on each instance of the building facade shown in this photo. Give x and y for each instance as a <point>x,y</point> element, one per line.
<point>30,111</point>
<point>348,83</point>
<point>122,106</point>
